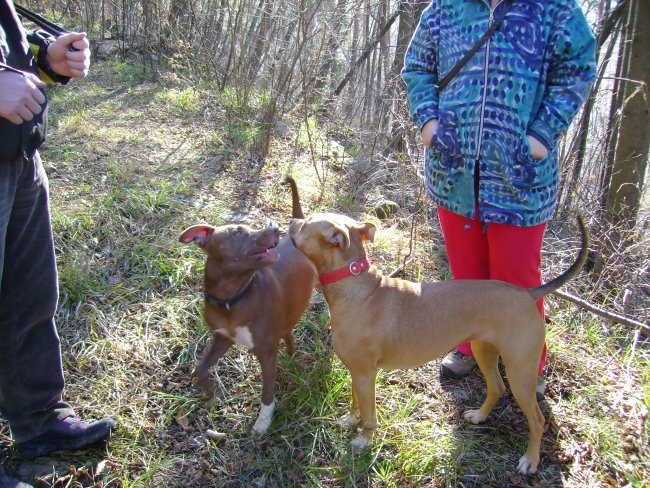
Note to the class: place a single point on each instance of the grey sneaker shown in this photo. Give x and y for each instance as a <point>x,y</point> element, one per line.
<point>540,388</point>
<point>457,365</point>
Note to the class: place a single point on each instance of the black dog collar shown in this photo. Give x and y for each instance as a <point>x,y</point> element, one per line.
<point>228,304</point>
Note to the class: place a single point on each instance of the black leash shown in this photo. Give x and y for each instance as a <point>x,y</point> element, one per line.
<point>494,26</point>
<point>49,27</point>
<point>42,22</point>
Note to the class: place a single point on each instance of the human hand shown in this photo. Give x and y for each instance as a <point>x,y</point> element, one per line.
<point>537,149</point>
<point>64,62</point>
<point>20,96</point>
<point>428,131</point>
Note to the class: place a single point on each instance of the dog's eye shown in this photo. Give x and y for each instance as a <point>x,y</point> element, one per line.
<point>237,233</point>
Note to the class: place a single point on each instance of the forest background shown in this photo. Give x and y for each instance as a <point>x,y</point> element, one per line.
<point>194,111</point>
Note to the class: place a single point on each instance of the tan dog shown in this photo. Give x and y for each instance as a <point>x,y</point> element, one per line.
<point>388,323</point>
<point>256,288</point>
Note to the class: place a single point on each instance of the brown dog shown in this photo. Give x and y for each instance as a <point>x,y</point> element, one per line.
<point>256,288</point>
<point>381,322</point>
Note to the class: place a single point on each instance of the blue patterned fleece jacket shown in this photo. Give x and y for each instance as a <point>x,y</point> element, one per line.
<point>530,78</point>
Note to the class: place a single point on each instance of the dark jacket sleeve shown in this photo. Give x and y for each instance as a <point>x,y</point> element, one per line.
<point>39,41</point>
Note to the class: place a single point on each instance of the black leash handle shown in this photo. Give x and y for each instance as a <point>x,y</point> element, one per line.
<point>494,26</point>
<point>49,27</point>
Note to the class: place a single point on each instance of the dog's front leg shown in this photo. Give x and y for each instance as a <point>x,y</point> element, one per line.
<point>487,357</point>
<point>354,416</point>
<point>269,362</point>
<point>201,375</point>
<point>363,385</point>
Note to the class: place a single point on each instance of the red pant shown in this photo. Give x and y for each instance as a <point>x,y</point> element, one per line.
<point>494,251</point>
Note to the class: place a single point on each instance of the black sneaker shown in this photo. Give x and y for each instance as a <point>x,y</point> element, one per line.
<point>7,481</point>
<point>457,365</point>
<point>68,434</point>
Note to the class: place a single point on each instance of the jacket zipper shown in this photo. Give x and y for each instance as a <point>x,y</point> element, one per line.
<point>482,118</point>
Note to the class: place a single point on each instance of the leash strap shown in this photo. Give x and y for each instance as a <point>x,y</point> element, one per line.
<point>42,22</point>
<point>228,304</point>
<point>352,269</point>
<point>494,26</point>
<point>49,27</point>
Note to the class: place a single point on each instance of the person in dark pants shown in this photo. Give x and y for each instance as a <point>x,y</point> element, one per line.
<point>31,376</point>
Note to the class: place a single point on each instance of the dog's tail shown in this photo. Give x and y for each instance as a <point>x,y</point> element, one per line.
<point>296,211</point>
<point>570,273</point>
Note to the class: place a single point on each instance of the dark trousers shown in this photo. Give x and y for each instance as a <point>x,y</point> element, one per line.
<point>31,376</point>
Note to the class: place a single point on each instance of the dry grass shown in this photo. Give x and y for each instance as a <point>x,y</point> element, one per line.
<point>132,163</point>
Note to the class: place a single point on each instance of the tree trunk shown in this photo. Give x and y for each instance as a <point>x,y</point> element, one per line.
<point>609,27</point>
<point>368,49</point>
<point>623,197</point>
<point>409,16</point>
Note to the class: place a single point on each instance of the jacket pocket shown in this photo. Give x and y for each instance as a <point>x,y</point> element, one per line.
<point>526,172</point>
<point>445,143</point>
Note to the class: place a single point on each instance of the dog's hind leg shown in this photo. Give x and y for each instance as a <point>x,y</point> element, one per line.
<point>522,383</point>
<point>487,357</point>
<point>290,342</point>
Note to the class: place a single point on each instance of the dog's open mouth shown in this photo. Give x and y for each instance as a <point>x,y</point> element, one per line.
<point>268,254</point>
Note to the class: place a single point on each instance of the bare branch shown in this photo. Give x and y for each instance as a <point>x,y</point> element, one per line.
<point>366,52</point>
<point>644,328</point>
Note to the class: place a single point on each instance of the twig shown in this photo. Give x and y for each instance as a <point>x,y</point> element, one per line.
<point>400,268</point>
<point>636,341</point>
<point>644,328</point>
<point>364,55</point>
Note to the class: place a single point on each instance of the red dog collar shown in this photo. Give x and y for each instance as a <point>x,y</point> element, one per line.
<point>352,269</point>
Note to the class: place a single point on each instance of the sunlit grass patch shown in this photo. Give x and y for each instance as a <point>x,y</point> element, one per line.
<point>241,101</point>
<point>122,71</point>
<point>179,101</point>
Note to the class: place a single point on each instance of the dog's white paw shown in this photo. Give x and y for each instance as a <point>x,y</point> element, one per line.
<point>360,443</point>
<point>474,416</point>
<point>350,420</point>
<point>526,466</point>
<point>264,419</point>
<point>260,427</point>
<point>213,401</point>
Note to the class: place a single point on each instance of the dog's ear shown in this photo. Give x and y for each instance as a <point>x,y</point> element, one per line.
<point>338,236</point>
<point>367,231</point>
<point>199,234</point>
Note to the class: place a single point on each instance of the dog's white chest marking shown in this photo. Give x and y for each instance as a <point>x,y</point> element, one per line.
<point>240,335</point>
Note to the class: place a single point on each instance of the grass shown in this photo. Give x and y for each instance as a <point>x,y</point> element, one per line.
<point>132,162</point>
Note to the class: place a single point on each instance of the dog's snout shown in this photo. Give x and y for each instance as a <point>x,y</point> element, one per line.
<point>296,223</point>
<point>272,225</point>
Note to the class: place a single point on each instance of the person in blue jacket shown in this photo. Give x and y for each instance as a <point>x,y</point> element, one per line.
<point>31,377</point>
<point>491,135</point>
